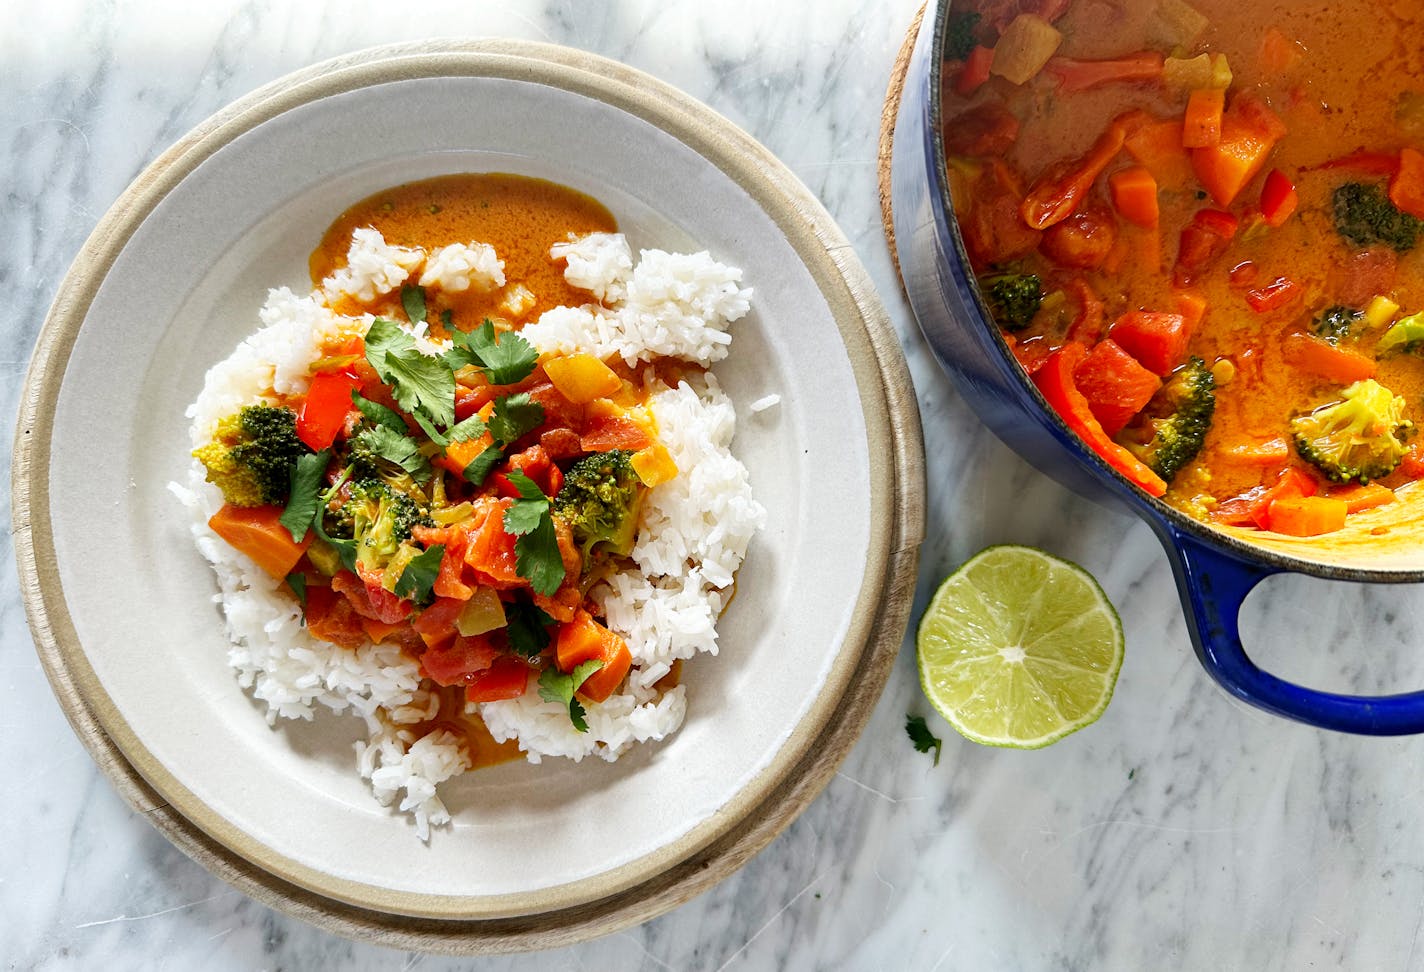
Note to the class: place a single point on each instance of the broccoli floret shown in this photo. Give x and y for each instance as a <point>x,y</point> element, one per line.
<point>1172,427</point>
<point>1360,438</point>
<point>959,38</point>
<point>1336,322</point>
<point>378,518</point>
<point>1014,298</point>
<point>1406,336</point>
<point>599,500</point>
<point>1364,215</point>
<point>252,455</point>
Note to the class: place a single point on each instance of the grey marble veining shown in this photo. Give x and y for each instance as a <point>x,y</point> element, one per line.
<point>1181,832</point>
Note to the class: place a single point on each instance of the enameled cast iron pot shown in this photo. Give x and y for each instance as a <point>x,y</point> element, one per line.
<point>1215,567</point>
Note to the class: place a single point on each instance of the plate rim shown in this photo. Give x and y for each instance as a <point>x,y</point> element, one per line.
<point>779,790</point>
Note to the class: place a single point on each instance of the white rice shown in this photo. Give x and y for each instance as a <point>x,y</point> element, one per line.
<point>692,537</point>
<point>670,305</point>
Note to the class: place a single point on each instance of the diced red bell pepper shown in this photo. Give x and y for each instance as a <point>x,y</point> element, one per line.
<point>1252,508</point>
<point>1115,385</point>
<point>1366,163</point>
<point>1158,341</point>
<point>506,678</point>
<point>1279,198</point>
<point>324,411</point>
<point>1281,292</point>
<point>1074,75</point>
<point>1204,239</point>
<point>1055,381</point>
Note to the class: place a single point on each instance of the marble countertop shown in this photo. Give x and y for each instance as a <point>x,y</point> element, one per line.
<point>1183,831</point>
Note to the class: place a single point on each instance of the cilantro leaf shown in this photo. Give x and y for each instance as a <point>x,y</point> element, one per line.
<point>524,513</point>
<point>298,583</point>
<point>398,448</point>
<point>536,553</point>
<point>555,686</point>
<point>513,416</point>
<point>417,381</point>
<point>478,468</point>
<point>471,428</point>
<point>922,738</point>
<point>431,432</point>
<point>302,504</point>
<point>504,360</point>
<point>447,318</point>
<point>413,301</point>
<point>537,558</point>
<point>418,578</point>
<point>378,414</point>
<point>527,627</point>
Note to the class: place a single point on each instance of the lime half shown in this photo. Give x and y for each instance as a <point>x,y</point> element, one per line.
<point>1019,648</point>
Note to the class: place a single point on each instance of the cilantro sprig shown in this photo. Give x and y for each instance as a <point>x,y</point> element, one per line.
<point>555,686</point>
<point>536,552</point>
<point>513,416</point>
<point>396,448</point>
<point>302,504</point>
<point>418,381</point>
<point>504,361</point>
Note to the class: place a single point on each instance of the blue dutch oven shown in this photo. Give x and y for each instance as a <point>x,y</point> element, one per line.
<point>1215,568</point>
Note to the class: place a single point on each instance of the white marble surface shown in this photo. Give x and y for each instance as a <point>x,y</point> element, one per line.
<point>1181,832</point>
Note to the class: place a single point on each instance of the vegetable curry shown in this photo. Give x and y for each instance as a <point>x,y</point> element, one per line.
<point>1198,225</point>
<point>459,504</point>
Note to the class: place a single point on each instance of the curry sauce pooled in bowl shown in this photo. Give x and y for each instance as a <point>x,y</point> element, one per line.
<point>1197,225</point>
<point>476,486</point>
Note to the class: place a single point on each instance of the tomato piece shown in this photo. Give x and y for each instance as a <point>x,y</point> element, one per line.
<point>988,130</point>
<point>990,224</point>
<point>1115,385</point>
<point>975,71</point>
<point>330,617</point>
<point>1158,341</point>
<point>1281,292</point>
<point>1058,192</point>
<point>608,432</point>
<point>506,678</point>
<point>459,660</point>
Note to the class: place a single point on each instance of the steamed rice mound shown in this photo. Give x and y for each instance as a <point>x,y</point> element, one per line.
<point>692,535</point>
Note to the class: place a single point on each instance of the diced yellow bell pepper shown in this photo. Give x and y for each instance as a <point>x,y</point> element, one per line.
<point>654,465</point>
<point>581,377</point>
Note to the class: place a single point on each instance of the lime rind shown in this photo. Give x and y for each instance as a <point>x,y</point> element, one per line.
<point>1019,648</point>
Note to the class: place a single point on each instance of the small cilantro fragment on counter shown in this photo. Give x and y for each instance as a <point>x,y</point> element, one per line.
<point>922,738</point>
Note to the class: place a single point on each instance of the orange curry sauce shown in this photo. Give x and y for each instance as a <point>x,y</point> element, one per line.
<point>1338,74</point>
<point>521,218</point>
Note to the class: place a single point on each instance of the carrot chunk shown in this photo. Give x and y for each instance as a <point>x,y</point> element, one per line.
<point>1249,133</point>
<point>1306,516</point>
<point>258,532</point>
<point>1201,126</point>
<point>1316,357</point>
<point>1134,193</point>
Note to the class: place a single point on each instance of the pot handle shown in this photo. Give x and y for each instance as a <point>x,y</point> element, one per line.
<point>1213,584</point>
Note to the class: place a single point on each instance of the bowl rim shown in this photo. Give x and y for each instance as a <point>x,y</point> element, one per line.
<point>634,891</point>
<point>1168,519</point>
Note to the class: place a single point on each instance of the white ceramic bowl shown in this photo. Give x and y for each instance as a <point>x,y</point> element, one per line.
<point>121,602</point>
